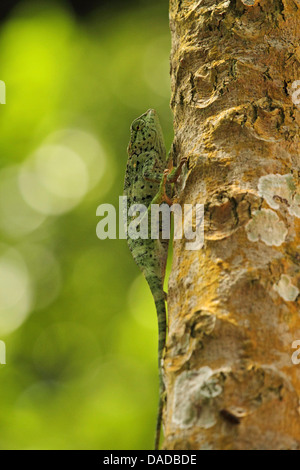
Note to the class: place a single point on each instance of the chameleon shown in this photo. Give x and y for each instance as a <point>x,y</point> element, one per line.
<point>149,180</point>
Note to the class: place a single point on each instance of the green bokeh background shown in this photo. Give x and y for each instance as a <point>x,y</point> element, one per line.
<point>78,320</point>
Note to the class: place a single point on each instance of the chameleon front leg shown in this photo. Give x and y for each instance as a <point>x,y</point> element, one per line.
<point>169,176</point>
<point>152,171</point>
<point>175,172</point>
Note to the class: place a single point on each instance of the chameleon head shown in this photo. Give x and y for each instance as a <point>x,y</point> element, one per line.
<point>146,134</point>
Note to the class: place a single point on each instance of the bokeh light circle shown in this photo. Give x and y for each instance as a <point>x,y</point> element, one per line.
<point>15,290</point>
<point>54,179</point>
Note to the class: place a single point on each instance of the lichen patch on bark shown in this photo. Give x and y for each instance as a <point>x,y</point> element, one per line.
<point>265,225</point>
<point>286,289</point>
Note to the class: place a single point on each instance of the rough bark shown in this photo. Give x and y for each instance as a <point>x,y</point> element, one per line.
<point>234,304</point>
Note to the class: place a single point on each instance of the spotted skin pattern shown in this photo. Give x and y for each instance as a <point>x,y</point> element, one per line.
<point>147,181</point>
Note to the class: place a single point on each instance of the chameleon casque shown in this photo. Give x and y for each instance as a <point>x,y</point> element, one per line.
<point>148,181</point>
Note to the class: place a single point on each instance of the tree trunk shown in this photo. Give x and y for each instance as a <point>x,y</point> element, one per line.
<point>234,304</point>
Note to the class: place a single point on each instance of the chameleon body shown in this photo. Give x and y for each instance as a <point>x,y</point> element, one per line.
<point>147,181</point>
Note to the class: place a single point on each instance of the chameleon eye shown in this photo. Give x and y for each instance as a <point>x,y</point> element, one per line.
<point>138,125</point>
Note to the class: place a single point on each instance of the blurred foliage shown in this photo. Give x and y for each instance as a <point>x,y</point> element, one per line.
<point>77,318</point>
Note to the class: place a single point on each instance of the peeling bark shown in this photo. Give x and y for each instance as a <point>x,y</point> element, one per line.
<point>234,305</point>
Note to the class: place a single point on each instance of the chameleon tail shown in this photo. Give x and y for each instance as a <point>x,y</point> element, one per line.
<point>159,418</point>
<point>159,298</point>
<point>162,330</point>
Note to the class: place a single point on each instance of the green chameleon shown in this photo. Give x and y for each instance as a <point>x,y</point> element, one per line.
<point>148,180</point>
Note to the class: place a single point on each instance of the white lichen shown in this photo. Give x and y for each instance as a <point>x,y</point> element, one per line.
<point>286,289</point>
<point>267,227</point>
<point>280,190</point>
<point>191,388</point>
